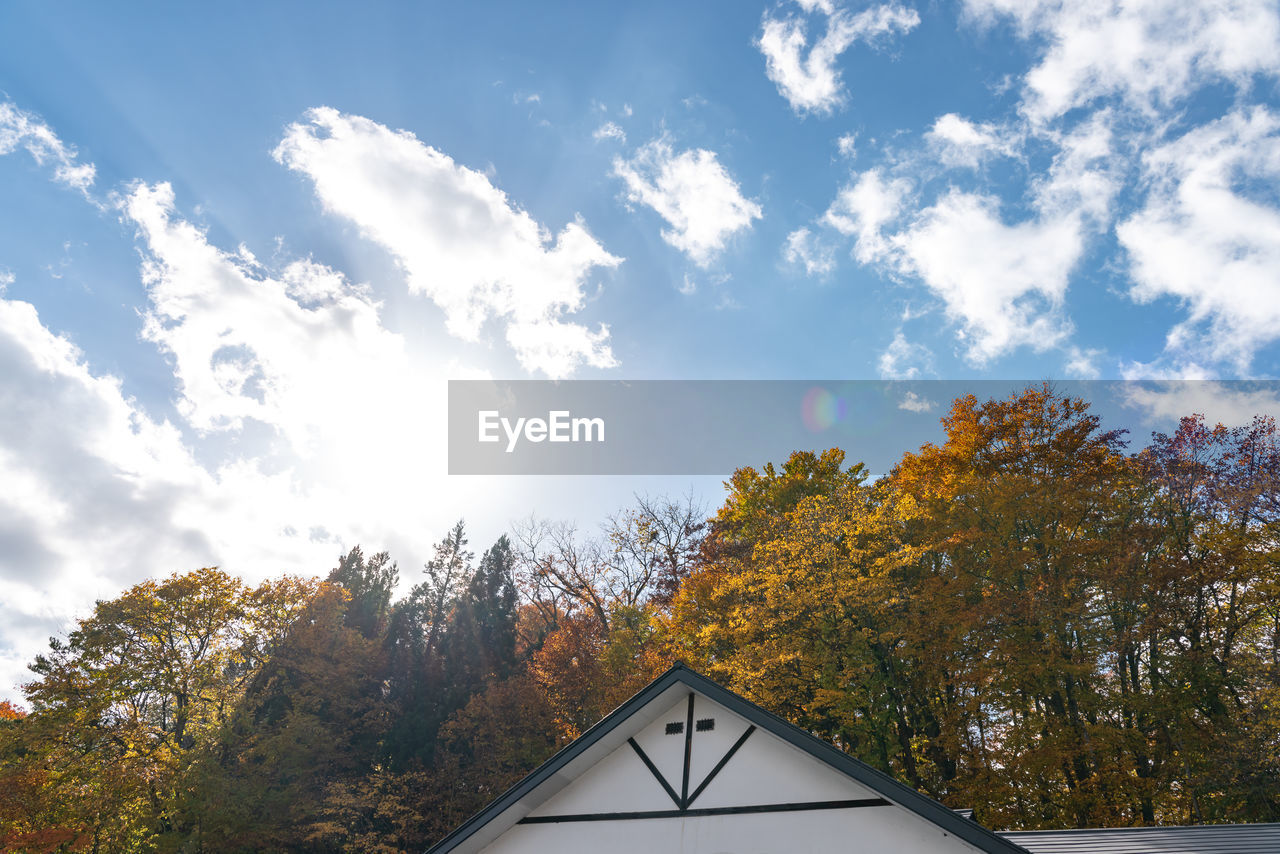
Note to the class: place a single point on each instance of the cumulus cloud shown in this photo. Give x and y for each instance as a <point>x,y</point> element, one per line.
<point>693,192</point>
<point>1084,176</point>
<point>1208,236</point>
<point>912,402</point>
<point>1082,363</point>
<point>905,360</point>
<point>1002,283</point>
<point>1150,53</point>
<point>94,490</point>
<point>804,249</point>
<point>353,431</point>
<point>847,145</point>
<point>460,240</point>
<point>806,74</point>
<point>20,129</point>
<point>1229,403</point>
<point>863,207</point>
<point>964,143</point>
<point>1107,81</point>
<point>99,494</point>
<point>609,130</point>
<point>247,344</point>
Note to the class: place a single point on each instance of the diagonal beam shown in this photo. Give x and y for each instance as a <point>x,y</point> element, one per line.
<point>648,763</point>
<point>716,770</point>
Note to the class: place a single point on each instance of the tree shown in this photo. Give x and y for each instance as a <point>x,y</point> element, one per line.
<point>1025,513</point>
<point>661,539</point>
<point>369,585</point>
<point>452,636</point>
<point>123,708</point>
<point>1206,653</point>
<point>1026,618</point>
<point>794,600</point>
<point>311,717</point>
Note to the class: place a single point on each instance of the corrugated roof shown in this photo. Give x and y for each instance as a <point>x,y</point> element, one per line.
<point>1196,839</point>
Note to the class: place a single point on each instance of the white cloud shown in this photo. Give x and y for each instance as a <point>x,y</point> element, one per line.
<point>1208,236</point>
<point>100,494</point>
<point>1104,85</point>
<point>806,75</point>
<point>459,239</point>
<point>1003,284</point>
<point>805,249</point>
<point>246,344</point>
<point>1219,403</point>
<point>862,209</point>
<point>609,130</point>
<point>963,143</point>
<point>20,128</point>
<point>847,145</point>
<point>96,494</point>
<point>904,360</point>
<point>1084,177</point>
<point>1082,364</point>
<point>1149,53</point>
<point>912,402</point>
<point>693,192</point>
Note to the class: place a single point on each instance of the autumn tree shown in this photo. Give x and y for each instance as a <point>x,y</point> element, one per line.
<point>793,605</point>
<point>370,585</point>
<point>1201,662</point>
<point>122,709</point>
<point>312,716</point>
<point>1024,516</point>
<point>1026,618</point>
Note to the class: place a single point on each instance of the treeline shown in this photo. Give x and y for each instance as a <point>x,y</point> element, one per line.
<point>1028,619</point>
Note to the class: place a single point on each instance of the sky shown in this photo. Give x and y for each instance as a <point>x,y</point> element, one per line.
<point>243,247</point>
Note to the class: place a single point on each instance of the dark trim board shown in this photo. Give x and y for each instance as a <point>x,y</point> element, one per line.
<point>684,800</point>
<point>882,784</point>
<point>688,749</point>
<point>720,765</point>
<point>653,769</point>
<point>687,813</point>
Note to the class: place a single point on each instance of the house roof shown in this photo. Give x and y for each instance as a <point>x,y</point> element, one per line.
<point>518,801</point>
<point>1197,839</point>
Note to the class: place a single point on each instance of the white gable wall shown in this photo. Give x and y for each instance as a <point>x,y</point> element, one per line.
<point>874,830</point>
<point>764,771</point>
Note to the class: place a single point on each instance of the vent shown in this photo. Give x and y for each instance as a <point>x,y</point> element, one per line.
<point>706,725</point>
<point>675,727</point>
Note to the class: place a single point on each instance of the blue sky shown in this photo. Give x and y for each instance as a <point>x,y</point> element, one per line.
<point>243,246</point>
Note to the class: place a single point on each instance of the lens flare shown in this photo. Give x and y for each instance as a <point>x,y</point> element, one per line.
<point>821,409</point>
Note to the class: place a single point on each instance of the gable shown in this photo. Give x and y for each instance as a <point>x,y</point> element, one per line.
<point>687,766</point>
<point>732,764</point>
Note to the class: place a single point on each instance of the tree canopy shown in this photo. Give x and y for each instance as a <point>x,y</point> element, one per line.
<point>1029,618</point>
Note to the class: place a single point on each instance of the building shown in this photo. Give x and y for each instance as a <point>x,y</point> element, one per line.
<point>688,766</point>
